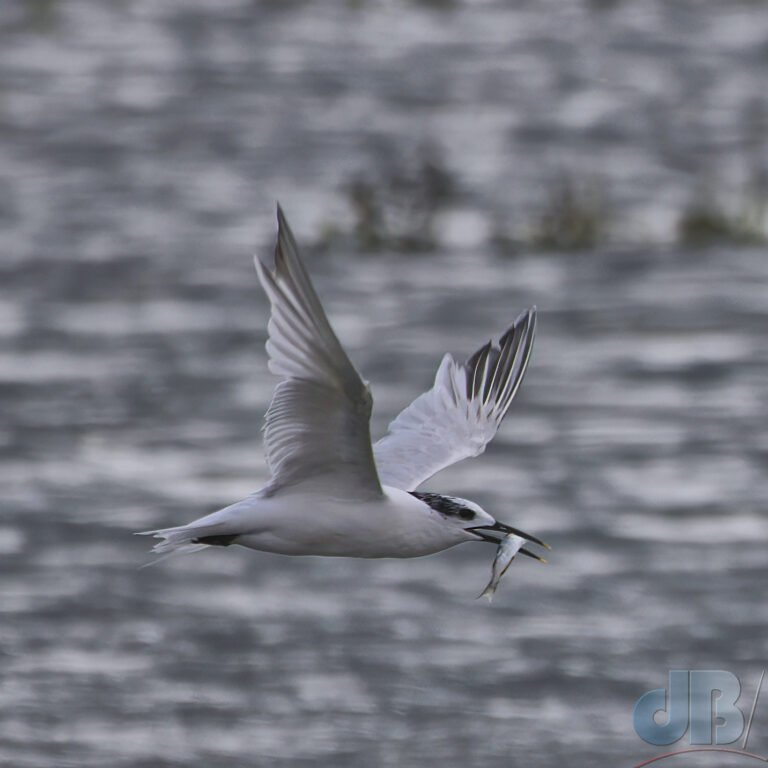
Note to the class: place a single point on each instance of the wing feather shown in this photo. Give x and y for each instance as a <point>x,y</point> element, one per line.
<point>459,416</point>
<point>316,430</point>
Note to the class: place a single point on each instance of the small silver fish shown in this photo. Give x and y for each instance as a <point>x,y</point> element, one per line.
<point>505,554</point>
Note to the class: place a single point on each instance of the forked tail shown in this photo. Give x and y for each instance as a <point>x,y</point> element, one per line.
<point>187,538</point>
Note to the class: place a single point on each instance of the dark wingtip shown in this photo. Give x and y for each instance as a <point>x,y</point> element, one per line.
<point>527,317</point>
<point>284,232</point>
<point>473,360</point>
<point>532,318</point>
<point>286,242</point>
<point>283,229</point>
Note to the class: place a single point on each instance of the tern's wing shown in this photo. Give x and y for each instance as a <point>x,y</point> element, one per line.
<point>317,426</point>
<point>459,416</point>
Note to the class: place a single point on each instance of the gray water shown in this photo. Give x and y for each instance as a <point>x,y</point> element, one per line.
<point>142,147</point>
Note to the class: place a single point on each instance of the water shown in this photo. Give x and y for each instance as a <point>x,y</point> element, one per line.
<point>142,150</point>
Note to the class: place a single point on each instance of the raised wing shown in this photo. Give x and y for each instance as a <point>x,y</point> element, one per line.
<point>317,431</point>
<point>459,416</point>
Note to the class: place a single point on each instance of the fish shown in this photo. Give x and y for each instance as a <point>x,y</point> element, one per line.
<point>508,547</point>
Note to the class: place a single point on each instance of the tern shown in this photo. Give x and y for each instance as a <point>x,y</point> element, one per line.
<point>333,493</point>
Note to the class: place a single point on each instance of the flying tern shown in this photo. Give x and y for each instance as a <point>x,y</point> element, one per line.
<point>333,493</point>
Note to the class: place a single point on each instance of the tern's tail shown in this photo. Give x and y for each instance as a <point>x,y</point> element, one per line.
<point>220,528</point>
<point>186,538</point>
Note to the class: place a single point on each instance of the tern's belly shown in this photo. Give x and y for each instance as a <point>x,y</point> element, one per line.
<point>389,528</point>
<point>342,545</point>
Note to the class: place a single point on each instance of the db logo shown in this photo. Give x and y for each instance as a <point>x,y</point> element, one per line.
<point>700,701</point>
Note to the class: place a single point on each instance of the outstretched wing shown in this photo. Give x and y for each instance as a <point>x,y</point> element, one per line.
<point>459,416</point>
<point>317,431</point>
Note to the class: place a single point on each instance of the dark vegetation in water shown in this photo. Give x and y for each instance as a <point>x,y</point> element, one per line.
<point>705,221</point>
<point>394,204</point>
<point>572,218</point>
<point>40,15</point>
<point>437,5</point>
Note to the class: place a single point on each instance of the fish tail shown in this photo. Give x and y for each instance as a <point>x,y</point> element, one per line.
<point>488,593</point>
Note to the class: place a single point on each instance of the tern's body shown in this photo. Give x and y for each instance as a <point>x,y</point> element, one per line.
<point>305,523</point>
<point>331,491</point>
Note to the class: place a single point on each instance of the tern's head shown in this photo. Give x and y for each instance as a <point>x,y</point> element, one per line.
<point>471,521</point>
<point>461,514</point>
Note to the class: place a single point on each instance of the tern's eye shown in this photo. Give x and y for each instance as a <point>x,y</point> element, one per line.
<point>467,514</point>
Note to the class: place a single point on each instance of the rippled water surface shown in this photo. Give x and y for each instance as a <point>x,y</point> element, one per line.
<point>141,149</point>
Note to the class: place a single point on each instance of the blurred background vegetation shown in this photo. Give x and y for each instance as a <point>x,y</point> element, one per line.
<point>415,126</point>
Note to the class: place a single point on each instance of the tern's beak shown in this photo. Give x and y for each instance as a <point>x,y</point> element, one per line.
<point>484,532</point>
